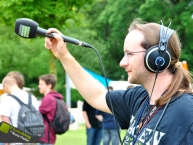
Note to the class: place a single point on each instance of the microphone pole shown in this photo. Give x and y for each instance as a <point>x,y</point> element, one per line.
<point>28,28</point>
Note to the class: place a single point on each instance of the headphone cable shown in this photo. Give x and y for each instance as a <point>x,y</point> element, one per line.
<point>151,142</point>
<point>108,94</point>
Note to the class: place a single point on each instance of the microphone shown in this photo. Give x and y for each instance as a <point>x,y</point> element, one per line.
<point>28,28</point>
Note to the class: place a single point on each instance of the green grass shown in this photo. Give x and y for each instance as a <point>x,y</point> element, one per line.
<point>72,137</point>
<point>76,137</point>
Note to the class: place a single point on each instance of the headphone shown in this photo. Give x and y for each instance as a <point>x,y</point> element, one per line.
<point>158,57</point>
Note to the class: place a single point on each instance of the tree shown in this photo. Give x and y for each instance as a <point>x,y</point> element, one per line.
<point>101,23</point>
<point>50,13</point>
<point>30,56</point>
<point>178,12</point>
<point>110,19</point>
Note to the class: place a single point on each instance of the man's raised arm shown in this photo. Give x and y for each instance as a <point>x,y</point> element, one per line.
<point>90,88</point>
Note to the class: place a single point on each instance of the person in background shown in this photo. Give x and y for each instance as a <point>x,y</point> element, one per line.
<point>1,97</point>
<point>13,83</point>
<point>109,127</point>
<point>93,125</point>
<point>47,107</point>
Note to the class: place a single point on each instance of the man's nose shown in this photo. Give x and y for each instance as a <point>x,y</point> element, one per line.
<point>124,62</point>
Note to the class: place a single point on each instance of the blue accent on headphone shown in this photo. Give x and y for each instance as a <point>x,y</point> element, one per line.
<point>162,48</point>
<point>160,59</point>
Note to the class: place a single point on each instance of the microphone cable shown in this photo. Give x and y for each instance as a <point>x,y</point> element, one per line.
<point>157,72</point>
<point>108,92</point>
<point>151,142</point>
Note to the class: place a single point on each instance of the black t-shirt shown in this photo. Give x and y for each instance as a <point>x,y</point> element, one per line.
<point>175,127</point>
<point>95,123</point>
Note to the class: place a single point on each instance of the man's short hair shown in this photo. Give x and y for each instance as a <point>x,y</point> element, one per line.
<point>110,87</point>
<point>19,78</point>
<point>49,79</point>
<point>9,80</point>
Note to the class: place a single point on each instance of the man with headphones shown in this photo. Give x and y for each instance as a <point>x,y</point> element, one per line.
<point>160,110</point>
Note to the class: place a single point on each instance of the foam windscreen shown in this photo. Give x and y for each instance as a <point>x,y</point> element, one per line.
<point>26,28</point>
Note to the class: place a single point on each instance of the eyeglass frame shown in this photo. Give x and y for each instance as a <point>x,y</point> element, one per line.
<point>129,53</point>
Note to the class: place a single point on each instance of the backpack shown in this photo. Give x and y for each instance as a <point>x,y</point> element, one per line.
<point>30,119</point>
<point>61,120</point>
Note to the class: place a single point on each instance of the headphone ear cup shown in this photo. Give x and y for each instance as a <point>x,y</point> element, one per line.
<point>153,56</point>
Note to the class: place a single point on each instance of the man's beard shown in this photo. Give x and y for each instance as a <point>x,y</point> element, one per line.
<point>139,77</point>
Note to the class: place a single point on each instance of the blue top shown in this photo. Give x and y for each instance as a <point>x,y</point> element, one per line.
<point>175,127</point>
<point>108,120</point>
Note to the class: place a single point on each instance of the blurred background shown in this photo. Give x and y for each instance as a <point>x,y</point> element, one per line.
<point>101,23</point>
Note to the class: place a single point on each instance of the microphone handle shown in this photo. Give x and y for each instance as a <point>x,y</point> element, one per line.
<point>43,32</point>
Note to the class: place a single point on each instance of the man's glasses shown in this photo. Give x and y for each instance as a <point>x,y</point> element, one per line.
<point>128,54</point>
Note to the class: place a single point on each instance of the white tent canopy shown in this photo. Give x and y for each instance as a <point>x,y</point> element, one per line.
<point>120,85</point>
<point>117,85</point>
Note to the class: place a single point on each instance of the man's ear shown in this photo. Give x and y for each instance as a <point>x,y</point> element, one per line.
<point>50,86</point>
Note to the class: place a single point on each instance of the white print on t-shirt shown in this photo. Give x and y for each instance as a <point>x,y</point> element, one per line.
<point>144,138</point>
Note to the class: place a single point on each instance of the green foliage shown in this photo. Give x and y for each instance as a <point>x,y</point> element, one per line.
<point>29,56</point>
<point>75,96</point>
<point>54,12</point>
<point>101,23</point>
<point>20,55</point>
<point>110,19</point>
<point>177,12</point>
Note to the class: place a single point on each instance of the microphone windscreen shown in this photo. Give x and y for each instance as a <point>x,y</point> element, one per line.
<point>26,28</point>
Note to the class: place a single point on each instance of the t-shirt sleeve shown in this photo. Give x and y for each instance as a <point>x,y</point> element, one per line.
<point>98,112</point>
<point>84,107</point>
<point>125,103</point>
<point>35,102</point>
<point>5,109</point>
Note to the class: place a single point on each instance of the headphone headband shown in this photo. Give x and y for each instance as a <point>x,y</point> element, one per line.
<point>165,33</point>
